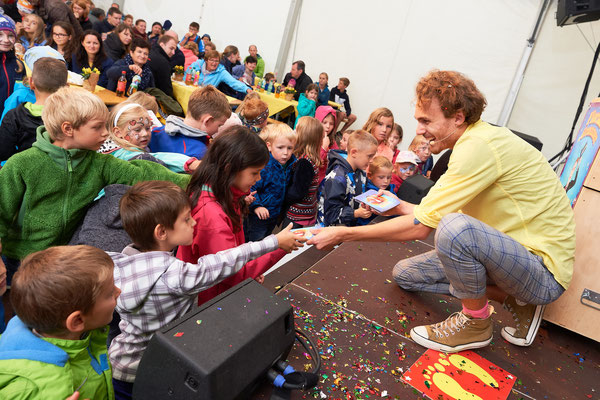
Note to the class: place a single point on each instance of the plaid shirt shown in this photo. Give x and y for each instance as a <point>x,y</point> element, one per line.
<point>157,288</point>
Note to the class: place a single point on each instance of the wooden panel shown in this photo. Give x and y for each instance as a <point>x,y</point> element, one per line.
<point>592,181</point>
<point>568,311</point>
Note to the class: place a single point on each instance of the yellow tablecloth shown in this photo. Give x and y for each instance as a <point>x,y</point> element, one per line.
<point>277,105</point>
<point>182,93</point>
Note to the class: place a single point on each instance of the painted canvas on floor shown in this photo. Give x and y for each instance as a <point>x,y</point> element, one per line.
<point>461,376</point>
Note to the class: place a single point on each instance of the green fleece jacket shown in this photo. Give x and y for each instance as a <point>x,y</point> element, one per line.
<point>46,190</point>
<point>32,367</point>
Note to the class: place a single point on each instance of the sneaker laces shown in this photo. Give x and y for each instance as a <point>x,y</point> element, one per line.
<point>453,323</point>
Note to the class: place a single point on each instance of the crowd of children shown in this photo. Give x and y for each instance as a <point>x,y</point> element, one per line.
<point>194,201</point>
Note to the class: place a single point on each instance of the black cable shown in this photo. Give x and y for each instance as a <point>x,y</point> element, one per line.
<point>315,352</point>
<point>569,141</point>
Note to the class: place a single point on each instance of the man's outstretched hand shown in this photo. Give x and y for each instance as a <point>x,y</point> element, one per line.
<point>326,238</point>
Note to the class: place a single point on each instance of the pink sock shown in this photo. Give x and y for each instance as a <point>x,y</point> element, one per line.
<point>480,314</point>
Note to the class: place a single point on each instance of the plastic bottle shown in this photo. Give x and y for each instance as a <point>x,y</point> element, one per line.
<point>135,83</point>
<point>122,84</point>
<point>189,78</point>
<point>270,87</point>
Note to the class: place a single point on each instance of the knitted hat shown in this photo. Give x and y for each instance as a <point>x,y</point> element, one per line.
<point>7,24</point>
<point>25,7</point>
<point>167,25</point>
<point>323,111</point>
<point>206,35</point>
<point>35,53</point>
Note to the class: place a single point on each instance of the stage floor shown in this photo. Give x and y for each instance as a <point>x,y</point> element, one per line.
<point>348,303</point>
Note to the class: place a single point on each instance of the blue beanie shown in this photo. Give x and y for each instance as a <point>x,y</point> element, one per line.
<point>7,24</point>
<point>167,25</point>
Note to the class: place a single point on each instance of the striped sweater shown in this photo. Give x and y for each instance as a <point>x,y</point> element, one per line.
<point>306,208</point>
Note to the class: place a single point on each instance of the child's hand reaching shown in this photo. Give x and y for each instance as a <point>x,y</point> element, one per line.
<point>289,241</point>
<point>326,142</point>
<point>250,198</point>
<point>260,279</point>
<point>261,212</point>
<point>361,212</point>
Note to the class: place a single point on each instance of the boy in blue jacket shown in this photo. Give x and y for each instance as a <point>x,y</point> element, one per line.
<point>346,179</point>
<point>274,180</point>
<point>379,176</point>
<point>208,110</point>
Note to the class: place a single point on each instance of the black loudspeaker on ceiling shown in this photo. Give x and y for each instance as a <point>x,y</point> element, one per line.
<point>569,12</point>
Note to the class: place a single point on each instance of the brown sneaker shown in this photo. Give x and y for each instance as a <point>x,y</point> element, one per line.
<point>457,333</point>
<point>528,318</point>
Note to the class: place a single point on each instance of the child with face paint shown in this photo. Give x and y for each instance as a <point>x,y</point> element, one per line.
<point>130,130</point>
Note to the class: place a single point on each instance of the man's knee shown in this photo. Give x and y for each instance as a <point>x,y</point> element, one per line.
<point>351,118</point>
<point>402,274</point>
<point>451,229</point>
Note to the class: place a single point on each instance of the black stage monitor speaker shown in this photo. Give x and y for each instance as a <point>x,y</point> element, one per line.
<point>570,12</point>
<point>532,140</point>
<point>221,350</point>
<point>414,188</point>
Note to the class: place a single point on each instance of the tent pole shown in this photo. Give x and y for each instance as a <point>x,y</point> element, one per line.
<point>286,38</point>
<point>511,98</point>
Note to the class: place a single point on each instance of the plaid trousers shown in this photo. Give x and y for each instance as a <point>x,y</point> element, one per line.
<point>468,256</point>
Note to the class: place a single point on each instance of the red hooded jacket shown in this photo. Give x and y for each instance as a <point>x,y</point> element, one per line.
<point>214,232</point>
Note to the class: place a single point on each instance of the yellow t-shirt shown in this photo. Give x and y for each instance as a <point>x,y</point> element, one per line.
<point>501,180</point>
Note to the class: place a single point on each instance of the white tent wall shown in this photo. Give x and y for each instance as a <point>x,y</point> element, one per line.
<point>387,47</point>
<point>554,82</point>
<point>383,47</point>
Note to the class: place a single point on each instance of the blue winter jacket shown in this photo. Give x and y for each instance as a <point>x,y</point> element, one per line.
<point>323,96</point>
<point>103,80</point>
<point>338,189</point>
<point>217,76</point>
<point>274,181</point>
<point>20,94</point>
<point>176,137</point>
<point>9,76</point>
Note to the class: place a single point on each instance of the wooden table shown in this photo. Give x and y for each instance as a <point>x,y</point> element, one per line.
<point>109,97</point>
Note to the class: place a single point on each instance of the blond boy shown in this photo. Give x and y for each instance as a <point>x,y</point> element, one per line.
<point>47,189</point>
<point>274,181</point>
<point>345,179</point>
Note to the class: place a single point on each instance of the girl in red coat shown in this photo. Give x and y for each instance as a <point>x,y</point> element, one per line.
<point>218,190</point>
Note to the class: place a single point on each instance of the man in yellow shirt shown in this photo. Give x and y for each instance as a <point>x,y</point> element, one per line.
<point>505,229</point>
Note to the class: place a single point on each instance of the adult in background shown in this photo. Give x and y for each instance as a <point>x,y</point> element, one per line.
<point>155,33</point>
<point>160,63</point>
<point>302,80</point>
<point>260,63</point>
<point>81,11</point>
<point>128,20</point>
<point>118,41</point>
<point>513,241</point>
<point>108,24</point>
<point>62,40</point>
<point>213,73</point>
<point>53,11</point>
<point>178,58</point>
<point>134,63</point>
<point>90,54</point>
<point>139,30</point>
<point>96,15</point>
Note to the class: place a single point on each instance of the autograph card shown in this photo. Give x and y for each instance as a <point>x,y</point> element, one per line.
<point>378,203</point>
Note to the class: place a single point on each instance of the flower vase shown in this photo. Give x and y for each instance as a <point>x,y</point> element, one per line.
<point>90,83</point>
<point>178,77</point>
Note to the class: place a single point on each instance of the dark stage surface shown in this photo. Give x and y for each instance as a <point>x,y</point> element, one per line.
<point>347,302</point>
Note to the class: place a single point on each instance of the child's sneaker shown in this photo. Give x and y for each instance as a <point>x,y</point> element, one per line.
<point>457,333</point>
<point>528,318</point>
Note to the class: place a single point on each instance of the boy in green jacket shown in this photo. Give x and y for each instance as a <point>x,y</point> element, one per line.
<point>47,189</point>
<point>56,345</point>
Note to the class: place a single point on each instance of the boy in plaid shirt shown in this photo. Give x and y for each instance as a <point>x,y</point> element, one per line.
<point>156,287</point>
